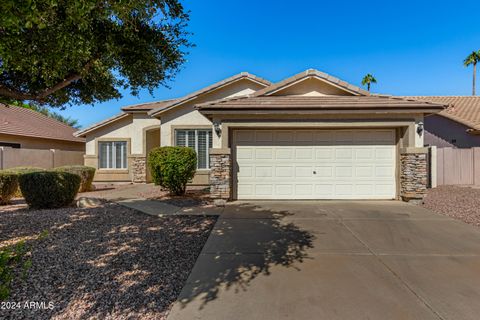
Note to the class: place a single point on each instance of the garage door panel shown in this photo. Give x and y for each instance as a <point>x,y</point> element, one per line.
<point>284,172</point>
<point>284,154</point>
<point>304,153</point>
<point>245,171</point>
<point>315,164</point>
<point>264,189</point>
<point>263,171</point>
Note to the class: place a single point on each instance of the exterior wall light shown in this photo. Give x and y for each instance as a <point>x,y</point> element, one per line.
<point>217,127</point>
<point>420,128</point>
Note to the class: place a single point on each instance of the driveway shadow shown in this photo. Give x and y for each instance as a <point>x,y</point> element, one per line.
<point>243,246</point>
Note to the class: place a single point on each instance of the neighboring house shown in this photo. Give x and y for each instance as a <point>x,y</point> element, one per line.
<point>457,126</point>
<point>311,136</point>
<point>25,128</point>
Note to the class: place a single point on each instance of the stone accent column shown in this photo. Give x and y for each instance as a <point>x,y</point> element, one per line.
<point>413,173</point>
<point>220,175</point>
<point>139,169</point>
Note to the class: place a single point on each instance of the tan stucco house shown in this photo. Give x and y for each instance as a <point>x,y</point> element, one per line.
<point>311,136</point>
<point>457,126</point>
<point>24,128</point>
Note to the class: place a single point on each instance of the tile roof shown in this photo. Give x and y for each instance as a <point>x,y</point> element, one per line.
<point>100,124</point>
<point>309,74</point>
<point>26,122</point>
<point>462,109</point>
<point>149,106</point>
<point>317,102</point>
<point>215,86</point>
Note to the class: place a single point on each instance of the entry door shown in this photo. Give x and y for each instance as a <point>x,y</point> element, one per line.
<point>314,164</point>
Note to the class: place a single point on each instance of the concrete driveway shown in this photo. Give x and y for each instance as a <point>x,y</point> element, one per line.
<point>334,260</point>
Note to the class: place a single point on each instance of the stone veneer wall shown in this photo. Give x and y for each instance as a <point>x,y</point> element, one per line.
<point>220,174</point>
<point>139,169</point>
<point>413,175</point>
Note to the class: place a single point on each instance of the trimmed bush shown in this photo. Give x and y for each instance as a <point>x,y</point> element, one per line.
<point>172,167</point>
<point>85,173</point>
<point>8,186</point>
<point>20,171</point>
<point>49,189</point>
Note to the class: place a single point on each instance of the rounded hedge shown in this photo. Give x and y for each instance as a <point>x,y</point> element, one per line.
<point>172,167</point>
<point>22,170</point>
<point>85,173</point>
<point>49,189</point>
<point>8,186</point>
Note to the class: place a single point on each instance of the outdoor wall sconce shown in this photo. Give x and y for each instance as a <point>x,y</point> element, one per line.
<point>217,127</point>
<point>420,128</point>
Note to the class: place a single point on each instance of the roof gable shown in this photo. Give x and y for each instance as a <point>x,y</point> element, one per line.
<point>209,89</point>
<point>312,83</point>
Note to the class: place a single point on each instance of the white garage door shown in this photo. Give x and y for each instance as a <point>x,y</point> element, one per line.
<point>314,164</point>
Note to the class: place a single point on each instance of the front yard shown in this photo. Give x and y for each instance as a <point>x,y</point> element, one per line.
<point>462,203</point>
<point>107,262</point>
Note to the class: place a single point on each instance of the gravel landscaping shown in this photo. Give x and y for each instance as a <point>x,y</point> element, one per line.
<point>107,262</point>
<point>462,203</point>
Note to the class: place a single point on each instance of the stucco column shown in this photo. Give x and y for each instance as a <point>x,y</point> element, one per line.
<point>413,173</point>
<point>220,175</point>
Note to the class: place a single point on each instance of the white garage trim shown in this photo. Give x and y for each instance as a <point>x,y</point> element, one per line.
<point>314,164</point>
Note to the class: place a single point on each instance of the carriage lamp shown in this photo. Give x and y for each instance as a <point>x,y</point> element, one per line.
<point>217,127</point>
<point>420,128</point>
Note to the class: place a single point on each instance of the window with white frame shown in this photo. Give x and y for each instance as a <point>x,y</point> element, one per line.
<point>200,140</point>
<point>112,154</point>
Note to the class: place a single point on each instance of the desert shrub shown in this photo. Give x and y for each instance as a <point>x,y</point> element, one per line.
<point>49,189</point>
<point>8,186</point>
<point>85,173</point>
<point>11,257</point>
<point>15,261</point>
<point>172,167</point>
<point>20,171</point>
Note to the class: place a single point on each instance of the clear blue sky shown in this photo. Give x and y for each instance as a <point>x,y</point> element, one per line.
<point>412,47</point>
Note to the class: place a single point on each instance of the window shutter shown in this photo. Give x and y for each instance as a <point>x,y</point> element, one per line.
<point>202,149</point>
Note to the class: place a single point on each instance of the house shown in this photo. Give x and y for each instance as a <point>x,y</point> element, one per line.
<point>26,128</point>
<point>311,136</point>
<point>457,126</point>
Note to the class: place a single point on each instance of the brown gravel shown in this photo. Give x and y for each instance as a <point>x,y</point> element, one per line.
<point>462,203</point>
<point>108,262</point>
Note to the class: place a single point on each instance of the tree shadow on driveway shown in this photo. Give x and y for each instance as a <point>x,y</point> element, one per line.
<point>243,246</point>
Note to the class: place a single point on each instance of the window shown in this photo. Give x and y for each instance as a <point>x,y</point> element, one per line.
<point>11,145</point>
<point>112,154</point>
<point>199,140</point>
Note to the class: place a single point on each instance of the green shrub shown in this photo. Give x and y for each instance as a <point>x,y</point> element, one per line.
<point>49,189</point>
<point>11,257</point>
<point>8,186</point>
<point>20,171</point>
<point>172,167</point>
<point>86,175</point>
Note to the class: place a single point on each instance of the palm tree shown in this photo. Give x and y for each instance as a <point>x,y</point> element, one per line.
<point>473,58</point>
<point>368,79</point>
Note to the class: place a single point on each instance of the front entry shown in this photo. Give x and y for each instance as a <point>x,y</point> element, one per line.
<point>314,164</point>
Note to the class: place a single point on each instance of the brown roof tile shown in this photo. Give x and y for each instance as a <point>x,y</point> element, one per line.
<point>317,102</point>
<point>462,109</point>
<point>26,122</point>
<point>215,86</point>
<point>308,74</point>
<point>149,106</point>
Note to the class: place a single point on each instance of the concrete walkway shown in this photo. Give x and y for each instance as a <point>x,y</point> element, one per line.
<point>334,260</point>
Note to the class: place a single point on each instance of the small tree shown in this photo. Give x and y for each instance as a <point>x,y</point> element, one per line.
<point>172,167</point>
<point>367,80</point>
<point>472,59</point>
